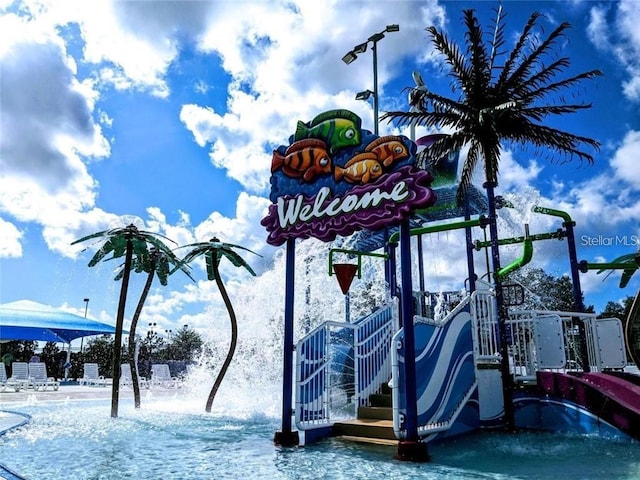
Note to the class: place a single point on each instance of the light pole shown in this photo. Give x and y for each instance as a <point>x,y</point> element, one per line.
<point>361,48</point>
<point>86,307</point>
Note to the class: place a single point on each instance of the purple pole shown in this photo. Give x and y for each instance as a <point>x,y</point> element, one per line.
<point>286,437</point>
<point>411,448</point>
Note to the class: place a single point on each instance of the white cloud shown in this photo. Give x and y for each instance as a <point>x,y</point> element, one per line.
<point>513,175</point>
<point>625,164</point>
<point>10,238</point>
<point>621,37</point>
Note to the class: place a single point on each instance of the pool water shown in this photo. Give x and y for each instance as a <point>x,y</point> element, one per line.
<point>171,439</point>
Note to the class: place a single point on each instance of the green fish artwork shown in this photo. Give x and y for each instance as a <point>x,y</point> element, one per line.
<point>337,128</point>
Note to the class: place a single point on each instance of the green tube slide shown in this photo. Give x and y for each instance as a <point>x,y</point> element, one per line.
<point>527,254</point>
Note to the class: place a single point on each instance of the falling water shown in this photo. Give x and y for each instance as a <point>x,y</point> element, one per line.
<point>254,380</point>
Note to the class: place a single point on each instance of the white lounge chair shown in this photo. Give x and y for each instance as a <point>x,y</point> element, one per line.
<point>161,376</point>
<point>39,379</point>
<point>91,376</point>
<point>19,376</point>
<point>3,377</point>
<point>126,380</point>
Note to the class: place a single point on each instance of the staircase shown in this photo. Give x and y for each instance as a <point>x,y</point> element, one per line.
<point>374,424</point>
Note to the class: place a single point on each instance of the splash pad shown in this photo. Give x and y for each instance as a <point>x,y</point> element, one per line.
<point>485,365</point>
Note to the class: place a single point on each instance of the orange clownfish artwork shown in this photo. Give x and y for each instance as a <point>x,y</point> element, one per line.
<point>304,159</point>
<point>363,168</point>
<point>388,149</point>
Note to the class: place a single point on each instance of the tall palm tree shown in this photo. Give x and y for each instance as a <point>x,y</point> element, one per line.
<point>213,252</point>
<point>154,263</point>
<point>499,104</point>
<point>128,242</point>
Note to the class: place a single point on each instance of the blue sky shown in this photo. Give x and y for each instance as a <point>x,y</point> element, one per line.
<point>166,113</point>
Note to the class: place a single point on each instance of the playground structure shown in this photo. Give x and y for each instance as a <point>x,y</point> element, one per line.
<point>405,376</point>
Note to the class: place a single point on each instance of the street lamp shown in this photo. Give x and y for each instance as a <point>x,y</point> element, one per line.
<point>86,307</point>
<point>350,56</point>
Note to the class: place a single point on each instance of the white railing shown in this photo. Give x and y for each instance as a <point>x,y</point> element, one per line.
<point>339,365</point>
<point>373,350</point>
<point>543,340</point>
<point>486,339</point>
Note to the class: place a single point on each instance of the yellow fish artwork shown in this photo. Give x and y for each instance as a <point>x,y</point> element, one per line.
<point>363,168</point>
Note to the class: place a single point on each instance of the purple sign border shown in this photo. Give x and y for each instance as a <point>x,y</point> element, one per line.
<point>325,226</point>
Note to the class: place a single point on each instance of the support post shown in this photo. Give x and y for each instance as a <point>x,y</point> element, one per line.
<point>411,448</point>
<point>286,437</point>
<point>507,380</point>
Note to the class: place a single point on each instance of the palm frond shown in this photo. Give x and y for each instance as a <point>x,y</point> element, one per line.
<point>532,95</point>
<point>459,68</point>
<point>560,141</point>
<point>89,237</point>
<point>467,170</point>
<point>522,72</point>
<point>497,40</point>
<point>517,51</point>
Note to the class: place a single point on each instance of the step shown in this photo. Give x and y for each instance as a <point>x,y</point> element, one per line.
<point>380,400</point>
<point>365,428</point>
<point>375,413</point>
<point>372,441</point>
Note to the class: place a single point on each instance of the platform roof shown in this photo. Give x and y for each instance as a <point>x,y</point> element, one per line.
<point>27,320</point>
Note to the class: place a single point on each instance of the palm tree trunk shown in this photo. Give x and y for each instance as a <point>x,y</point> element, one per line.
<point>507,382</point>
<point>234,337</point>
<point>117,347</point>
<point>132,335</point>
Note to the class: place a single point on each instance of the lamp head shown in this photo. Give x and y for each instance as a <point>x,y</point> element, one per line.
<point>360,48</point>
<point>364,95</point>
<point>349,57</point>
<point>392,28</point>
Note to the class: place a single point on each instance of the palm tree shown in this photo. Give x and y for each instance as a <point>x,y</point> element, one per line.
<point>496,104</point>
<point>628,263</point>
<point>128,242</point>
<point>213,252</point>
<point>154,263</point>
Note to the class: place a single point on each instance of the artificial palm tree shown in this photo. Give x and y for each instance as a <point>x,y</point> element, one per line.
<point>628,263</point>
<point>128,242</point>
<point>154,263</point>
<point>499,103</point>
<point>213,252</point>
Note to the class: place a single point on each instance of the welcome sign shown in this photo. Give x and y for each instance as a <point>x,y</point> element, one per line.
<point>335,179</point>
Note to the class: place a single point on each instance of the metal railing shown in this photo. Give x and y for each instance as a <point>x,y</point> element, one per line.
<point>544,340</point>
<point>486,338</point>
<point>339,365</point>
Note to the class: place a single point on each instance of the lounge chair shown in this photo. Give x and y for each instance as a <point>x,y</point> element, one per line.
<point>3,378</point>
<point>91,376</point>
<point>39,379</point>
<point>161,376</point>
<point>126,380</point>
<point>19,376</point>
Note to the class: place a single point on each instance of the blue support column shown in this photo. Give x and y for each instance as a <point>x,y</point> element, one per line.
<point>287,437</point>
<point>411,448</point>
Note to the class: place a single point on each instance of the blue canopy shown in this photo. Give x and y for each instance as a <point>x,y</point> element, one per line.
<point>27,320</point>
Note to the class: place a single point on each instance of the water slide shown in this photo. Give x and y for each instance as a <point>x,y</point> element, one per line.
<point>613,397</point>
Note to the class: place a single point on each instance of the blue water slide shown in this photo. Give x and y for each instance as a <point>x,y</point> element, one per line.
<point>445,373</point>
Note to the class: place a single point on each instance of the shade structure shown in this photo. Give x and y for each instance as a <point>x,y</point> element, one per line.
<point>27,320</point>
